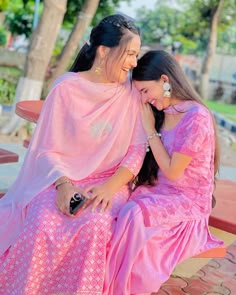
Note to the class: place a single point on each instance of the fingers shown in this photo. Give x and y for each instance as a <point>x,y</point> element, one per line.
<point>103,204</point>
<point>96,198</point>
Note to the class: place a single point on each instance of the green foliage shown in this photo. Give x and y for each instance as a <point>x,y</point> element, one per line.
<point>4,4</point>
<point>19,17</point>
<point>8,82</point>
<point>199,14</point>
<point>3,37</point>
<point>187,22</point>
<point>20,22</point>
<point>164,25</point>
<point>105,7</point>
<point>7,92</point>
<point>228,110</point>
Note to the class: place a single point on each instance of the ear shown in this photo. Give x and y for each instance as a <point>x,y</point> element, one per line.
<point>102,51</point>
<point>165,78</point>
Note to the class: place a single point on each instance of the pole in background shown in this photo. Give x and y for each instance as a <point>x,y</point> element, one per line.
<point>36,14</point>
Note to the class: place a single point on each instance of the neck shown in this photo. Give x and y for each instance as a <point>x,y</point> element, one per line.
<point>94,76</point>
<point>178,106</point>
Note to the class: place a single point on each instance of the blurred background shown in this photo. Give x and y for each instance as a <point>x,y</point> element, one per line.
<point>40,38</point>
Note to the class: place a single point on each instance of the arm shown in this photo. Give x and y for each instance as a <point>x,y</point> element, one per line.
<point>127,170</point>
<point>173,167</point>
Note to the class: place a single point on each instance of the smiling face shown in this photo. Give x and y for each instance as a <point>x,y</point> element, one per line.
<point>152,92</point>
<point>122,59</point>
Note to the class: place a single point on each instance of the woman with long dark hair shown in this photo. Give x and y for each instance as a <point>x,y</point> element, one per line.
<point>166,219</point>
<point>88,144</point>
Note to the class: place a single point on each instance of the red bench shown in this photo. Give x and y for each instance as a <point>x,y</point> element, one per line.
<point>8,156</point>
<point>224,214</point>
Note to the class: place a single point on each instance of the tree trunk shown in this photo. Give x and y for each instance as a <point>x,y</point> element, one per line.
<point>85,17</point>
<point>204,80</point>
<point>40,51</point>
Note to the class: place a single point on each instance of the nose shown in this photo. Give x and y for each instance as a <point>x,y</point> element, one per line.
<point>134,62</point>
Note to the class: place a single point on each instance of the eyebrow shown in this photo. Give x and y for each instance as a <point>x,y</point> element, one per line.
<point>132,51</point>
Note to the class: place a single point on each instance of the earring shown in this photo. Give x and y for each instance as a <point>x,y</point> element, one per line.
<point>166,88</point>
<point>98,68</point>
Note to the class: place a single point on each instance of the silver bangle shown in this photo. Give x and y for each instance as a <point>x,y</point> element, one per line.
<point>155,134</point>
<point>60,183</point>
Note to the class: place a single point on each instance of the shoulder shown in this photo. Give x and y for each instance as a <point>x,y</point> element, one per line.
<point>132,90</point>
<point>198,112</point>
<point>64,79</point>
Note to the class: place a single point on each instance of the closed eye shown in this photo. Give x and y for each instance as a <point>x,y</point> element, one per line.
<point>144,90</point>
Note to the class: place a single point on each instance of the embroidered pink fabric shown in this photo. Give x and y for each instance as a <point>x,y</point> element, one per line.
<point>167,223</point>
<point>84,129</point>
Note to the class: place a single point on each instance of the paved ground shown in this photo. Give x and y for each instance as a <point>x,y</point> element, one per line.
<point>217,277</point>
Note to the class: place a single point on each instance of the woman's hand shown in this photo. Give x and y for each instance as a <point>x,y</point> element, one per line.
<point>99,195</point>
<point>148,118</point>
<point>65,193</point>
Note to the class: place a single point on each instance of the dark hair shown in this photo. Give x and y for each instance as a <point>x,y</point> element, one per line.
<point>108,32</point>
<point>152,66</point>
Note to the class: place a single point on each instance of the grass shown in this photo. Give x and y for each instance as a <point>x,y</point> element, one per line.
<point>227,110</point>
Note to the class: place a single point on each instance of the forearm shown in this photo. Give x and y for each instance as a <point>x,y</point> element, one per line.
<point>161,155</point>
<point>174,166</point>
<point>121,177</point>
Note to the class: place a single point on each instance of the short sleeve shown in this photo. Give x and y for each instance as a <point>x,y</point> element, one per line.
<point>134,158</point>
<point>193,133</point>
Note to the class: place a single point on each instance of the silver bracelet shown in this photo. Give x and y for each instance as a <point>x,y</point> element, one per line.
<point>151,136</point>
<point>60,183</point>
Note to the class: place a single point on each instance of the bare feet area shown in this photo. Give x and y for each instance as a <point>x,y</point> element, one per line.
<point>227,142</point>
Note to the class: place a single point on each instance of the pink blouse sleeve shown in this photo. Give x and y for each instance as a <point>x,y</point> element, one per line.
<point>133,160</point>
<point>194,133</point>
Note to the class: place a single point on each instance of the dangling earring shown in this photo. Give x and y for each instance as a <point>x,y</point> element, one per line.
<point>166,88</point>
<point>98,69</point>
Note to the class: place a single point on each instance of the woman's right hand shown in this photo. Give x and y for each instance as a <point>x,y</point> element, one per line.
<point>65,192</point>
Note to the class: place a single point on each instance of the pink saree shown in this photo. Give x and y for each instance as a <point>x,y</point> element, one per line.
<point>85,131</point>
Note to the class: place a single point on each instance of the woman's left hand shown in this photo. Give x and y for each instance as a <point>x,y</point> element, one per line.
<point>99,195</point>
<point>148,118</point>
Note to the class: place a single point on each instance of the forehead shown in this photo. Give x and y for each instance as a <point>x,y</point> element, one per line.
<point>144,84</point>
<point>130,42</point>
<point>134,43</point>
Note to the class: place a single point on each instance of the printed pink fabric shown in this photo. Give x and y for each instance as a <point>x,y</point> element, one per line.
<point>81,122</point>
<point>167,223</point>
<point>42,250</point>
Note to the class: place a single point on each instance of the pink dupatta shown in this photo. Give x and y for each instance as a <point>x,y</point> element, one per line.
<point>85,128</point>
